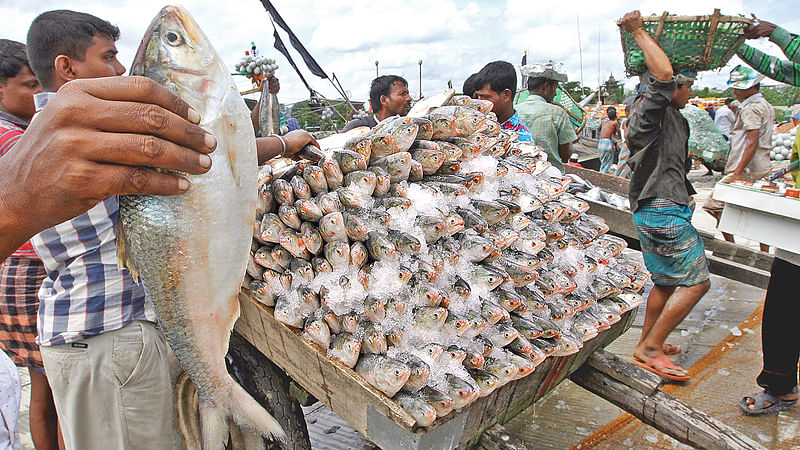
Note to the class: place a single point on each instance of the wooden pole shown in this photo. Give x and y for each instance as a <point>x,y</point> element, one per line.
<point>712,33</point>
<point>636,391</point>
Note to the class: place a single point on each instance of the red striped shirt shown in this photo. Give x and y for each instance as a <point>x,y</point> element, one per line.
<point>9,137</point>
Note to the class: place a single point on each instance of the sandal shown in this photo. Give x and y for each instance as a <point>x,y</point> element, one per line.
<point>670,349</point>
<point>764,403</point>
<point>663,367</point>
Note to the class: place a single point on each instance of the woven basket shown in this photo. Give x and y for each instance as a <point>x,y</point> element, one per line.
<point>692,43</point>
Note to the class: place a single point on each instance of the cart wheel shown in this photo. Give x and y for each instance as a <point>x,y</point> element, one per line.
<point>269,385</point>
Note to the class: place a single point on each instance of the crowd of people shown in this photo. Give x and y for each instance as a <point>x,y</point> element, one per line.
<point>74,134</point>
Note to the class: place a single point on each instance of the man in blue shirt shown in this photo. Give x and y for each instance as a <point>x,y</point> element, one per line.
<point>497,82</point>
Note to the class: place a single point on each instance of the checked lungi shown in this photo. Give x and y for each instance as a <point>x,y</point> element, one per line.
<point>605,151</point>
<point>673,250</point>
<point>20,279</point>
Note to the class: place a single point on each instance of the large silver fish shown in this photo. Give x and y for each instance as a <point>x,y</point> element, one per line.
<point>190,250</point>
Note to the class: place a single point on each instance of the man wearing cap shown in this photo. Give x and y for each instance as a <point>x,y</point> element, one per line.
<point>658,138</point>
<point>549,124</point>
<point>751,137</point>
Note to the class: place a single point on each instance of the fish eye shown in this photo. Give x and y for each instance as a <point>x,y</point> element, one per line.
<point>173,38</point>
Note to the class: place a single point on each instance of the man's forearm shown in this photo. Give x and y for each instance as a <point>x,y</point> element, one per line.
<point>268,147</point>
<point>565,151</point>
<point>788,42</point>
<point>771,66</point>
<point>747,154</point>
<point>13,231</point>
<point>655,58</point>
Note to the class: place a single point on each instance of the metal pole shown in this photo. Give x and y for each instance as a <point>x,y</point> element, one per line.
<point>420,79</point>
<point>580,51</point>
<point>376,68</point>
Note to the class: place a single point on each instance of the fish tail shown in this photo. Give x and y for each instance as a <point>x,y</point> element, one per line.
<point>214,426</point>
<point>124,260</point>
<point>247,412</point>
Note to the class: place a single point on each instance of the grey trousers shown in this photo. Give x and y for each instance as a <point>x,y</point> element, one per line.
<point>115,390</point>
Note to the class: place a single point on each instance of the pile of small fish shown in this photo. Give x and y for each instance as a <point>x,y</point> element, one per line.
<point>437,257</point>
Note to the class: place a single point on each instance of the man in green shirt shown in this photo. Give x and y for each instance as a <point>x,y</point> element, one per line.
<point>779,70</point>
<point>549,124</point>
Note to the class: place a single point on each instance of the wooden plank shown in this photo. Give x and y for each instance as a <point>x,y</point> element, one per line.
<point>739,272</point>
<point>712,33</point>
<point>633,376</point>
<point>664,412</point>
<point>736,253</point>
<point>660,28</point>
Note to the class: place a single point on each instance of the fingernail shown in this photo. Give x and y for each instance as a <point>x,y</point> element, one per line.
<point>210,140</point>
<point>193,116</point>
<point>183,184</point>
<point>204,160</point>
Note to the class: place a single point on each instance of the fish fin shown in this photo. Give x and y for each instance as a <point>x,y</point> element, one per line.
<point>248,413</point>
<point>124,260</point>
<point>230,109</point>
<point>214,426</point>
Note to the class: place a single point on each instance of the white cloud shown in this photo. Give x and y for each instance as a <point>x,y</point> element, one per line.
<point>454,38</point>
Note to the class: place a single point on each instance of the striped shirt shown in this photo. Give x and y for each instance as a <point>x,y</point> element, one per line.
<point>10,132</point>
<point>779,70</point>
<point>84,293</point>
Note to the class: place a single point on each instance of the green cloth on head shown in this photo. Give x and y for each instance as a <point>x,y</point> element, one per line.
<point>549,125</point>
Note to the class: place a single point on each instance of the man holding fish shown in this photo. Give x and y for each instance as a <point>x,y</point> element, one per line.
<point>108,363</point>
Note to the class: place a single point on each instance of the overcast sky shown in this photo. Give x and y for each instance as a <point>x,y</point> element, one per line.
<point>452,38</point>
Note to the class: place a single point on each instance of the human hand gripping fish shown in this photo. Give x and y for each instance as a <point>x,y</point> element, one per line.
<point>95,139</point>
<point>190,251</point>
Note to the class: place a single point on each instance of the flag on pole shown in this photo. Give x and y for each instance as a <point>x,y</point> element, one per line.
<point>311,63</point>
<point>279,45</point>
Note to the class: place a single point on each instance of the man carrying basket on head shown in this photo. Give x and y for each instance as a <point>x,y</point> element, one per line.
<point>658,138</point>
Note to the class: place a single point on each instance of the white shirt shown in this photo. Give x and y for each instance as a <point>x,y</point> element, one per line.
<point>724,120</point>
<point>9,403</point>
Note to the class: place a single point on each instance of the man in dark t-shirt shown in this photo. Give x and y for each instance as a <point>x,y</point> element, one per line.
<point>388,95</point>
